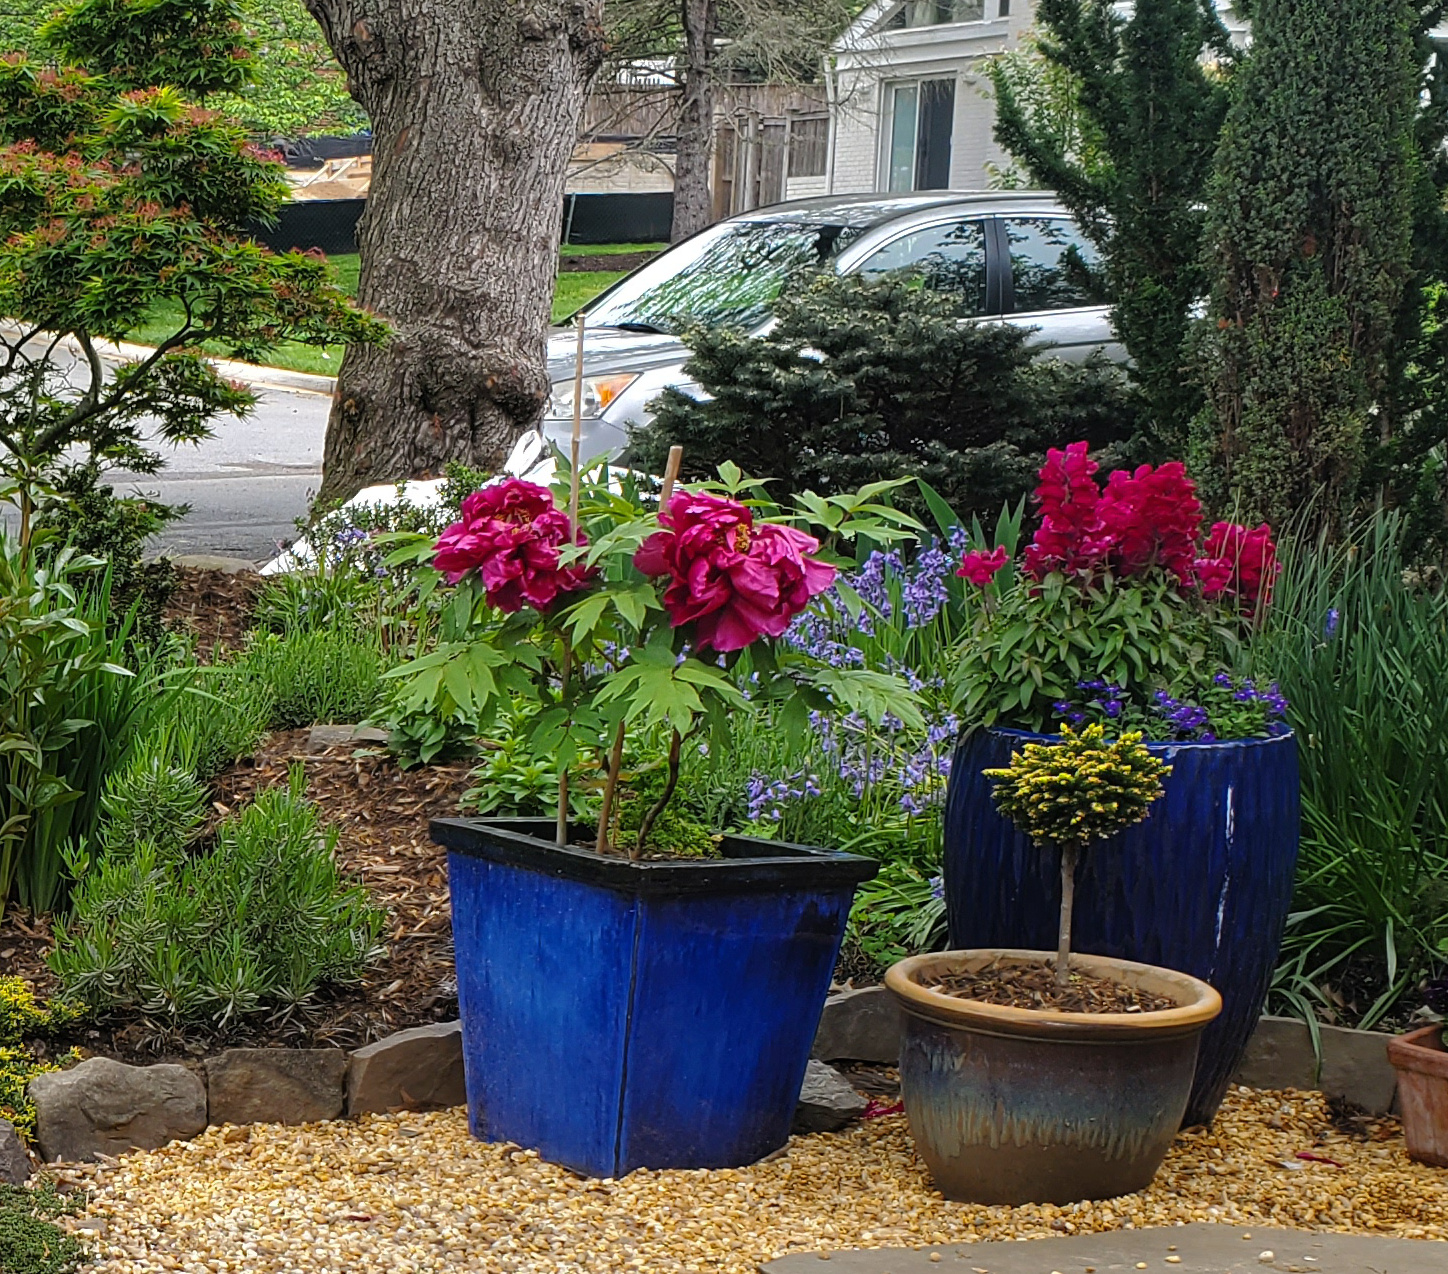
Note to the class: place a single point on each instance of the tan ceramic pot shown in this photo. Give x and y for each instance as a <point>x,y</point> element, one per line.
<point>1024,1106</point>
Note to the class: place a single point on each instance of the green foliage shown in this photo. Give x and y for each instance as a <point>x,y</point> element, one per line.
<point>92,519</point>
<point>30,1241</point>
<point>22,1018</point>
<point>1131,158</point>
<point>218,717</point>
<point>1084,788</point>
<point>49,657</point>
<point>1046,97</point>
<point>298,87</point>
<point>152,801</point>
<point>900,913</point>
<point>319,601</point>
<point>1310,245</point>
<point>867,380</point>
<point>258,921</point>
<point>1028,647</point>
<point>674,831</point>
<point>605,660</point>
<point>1362,655</point>
<point>198,46</point>
<point>307,677</point>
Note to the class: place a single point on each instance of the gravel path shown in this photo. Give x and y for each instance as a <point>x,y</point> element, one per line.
<point>415,1194</point>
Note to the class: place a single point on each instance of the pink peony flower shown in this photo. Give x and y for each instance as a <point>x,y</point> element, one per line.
<point>510,533</point>
<point>732,580</point>
<point>980,567</point>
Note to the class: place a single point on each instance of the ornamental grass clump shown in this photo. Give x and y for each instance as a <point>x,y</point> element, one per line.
<point>1084,788</point>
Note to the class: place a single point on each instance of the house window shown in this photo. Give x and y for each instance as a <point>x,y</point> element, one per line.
<point>922,113</point>
<point>809,145</point>
<point>934,13</point>
<point>1005,9</point>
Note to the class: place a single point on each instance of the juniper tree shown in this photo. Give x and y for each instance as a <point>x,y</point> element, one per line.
<point>1149,86</point>
<point>1310,242</point>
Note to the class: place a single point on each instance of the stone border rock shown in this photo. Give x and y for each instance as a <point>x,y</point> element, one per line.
<point>863,1025</point>
<point>103,1107</point>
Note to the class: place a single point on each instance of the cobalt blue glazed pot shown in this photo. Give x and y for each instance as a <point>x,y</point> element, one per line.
<point>1017,1106</point>
<point>659,1014</point>
<point>1202,886</point>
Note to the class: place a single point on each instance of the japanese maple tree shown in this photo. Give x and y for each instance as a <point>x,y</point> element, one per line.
<point>122,197</point>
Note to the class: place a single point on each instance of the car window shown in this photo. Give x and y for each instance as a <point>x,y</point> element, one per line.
<point>948,258</point>
<point>1041,264</point>
<point>730,274</point>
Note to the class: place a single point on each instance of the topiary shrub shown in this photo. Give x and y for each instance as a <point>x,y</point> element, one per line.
<point>1070,793</point>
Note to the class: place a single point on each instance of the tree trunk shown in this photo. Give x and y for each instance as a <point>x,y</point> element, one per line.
<point>475,107</point>
<point>1068,902</point>
<point>693,204</point>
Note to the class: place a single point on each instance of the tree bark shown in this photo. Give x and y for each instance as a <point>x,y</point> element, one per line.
<point>475,107</point>
<point>693,204</point>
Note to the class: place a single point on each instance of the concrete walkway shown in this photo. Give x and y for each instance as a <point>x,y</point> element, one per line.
<point>1188,1249</point>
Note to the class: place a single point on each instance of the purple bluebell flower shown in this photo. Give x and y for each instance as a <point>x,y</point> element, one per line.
<point>1329,628</point>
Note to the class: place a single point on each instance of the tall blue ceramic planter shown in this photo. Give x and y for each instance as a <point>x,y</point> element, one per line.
<point>621,1015</point>
<point>1202,886</point>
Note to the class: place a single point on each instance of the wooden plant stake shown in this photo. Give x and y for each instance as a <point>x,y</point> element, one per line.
<point>574,445</point>
<point>615,759</point>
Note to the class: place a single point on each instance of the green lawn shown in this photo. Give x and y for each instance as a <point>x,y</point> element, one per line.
<point>608,249</point>
<point>575,288</point>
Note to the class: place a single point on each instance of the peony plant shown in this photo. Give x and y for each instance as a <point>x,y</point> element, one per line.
<point>1068,794</point>
<point>1122,609</point>
<point>614,621</point>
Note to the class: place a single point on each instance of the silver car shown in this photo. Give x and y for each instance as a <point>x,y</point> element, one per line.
<point>1003,253</point>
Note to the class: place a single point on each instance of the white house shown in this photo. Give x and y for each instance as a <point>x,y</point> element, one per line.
<point>910,104</point>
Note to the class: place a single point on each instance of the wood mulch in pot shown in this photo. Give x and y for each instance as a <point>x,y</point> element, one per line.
<point>1033,986</point>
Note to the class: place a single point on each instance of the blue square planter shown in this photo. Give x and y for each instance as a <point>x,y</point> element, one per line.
<point>620,1015</point>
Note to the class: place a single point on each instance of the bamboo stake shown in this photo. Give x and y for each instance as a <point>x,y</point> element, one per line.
<point>671,475</point>
<point>561,832</point>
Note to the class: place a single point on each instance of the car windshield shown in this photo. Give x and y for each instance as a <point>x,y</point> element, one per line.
<point>728,275</point>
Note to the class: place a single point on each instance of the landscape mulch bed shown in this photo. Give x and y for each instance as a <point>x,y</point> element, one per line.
<point>214,607</point>
<point>382,812</point>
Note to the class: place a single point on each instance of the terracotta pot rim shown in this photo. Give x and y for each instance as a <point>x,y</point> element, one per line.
<point>1412,1052</point>
<point>1198,1002</point>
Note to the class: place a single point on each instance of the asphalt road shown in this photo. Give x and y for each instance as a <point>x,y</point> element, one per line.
<point>249,484</point>
<point>246,486</point>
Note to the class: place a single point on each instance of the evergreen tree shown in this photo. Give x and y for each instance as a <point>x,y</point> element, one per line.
<point>1310,242</point>
<point>1404,465</point>
<point>1153,105</point>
